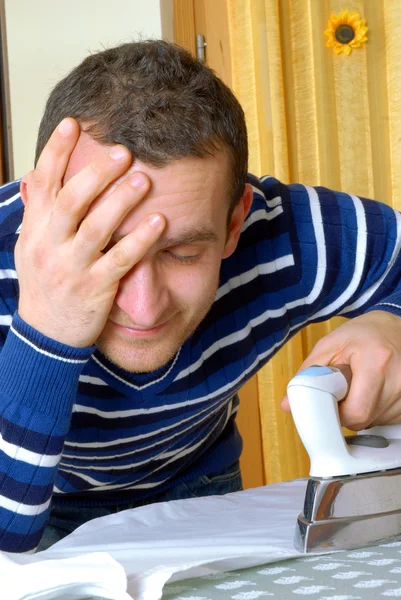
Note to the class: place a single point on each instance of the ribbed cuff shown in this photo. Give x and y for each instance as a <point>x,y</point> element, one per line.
<point>390,304</point>
<point>38,372</point>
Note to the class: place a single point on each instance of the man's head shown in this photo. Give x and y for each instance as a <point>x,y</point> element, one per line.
<point>186,131</point>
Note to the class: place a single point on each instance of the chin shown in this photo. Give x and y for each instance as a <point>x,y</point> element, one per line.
<point>148,355</point>
<point>142,361</point>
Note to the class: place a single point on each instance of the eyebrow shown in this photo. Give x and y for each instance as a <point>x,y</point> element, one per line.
<point>191,236</point>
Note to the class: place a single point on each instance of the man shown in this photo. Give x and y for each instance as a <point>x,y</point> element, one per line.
<point>153,281</point>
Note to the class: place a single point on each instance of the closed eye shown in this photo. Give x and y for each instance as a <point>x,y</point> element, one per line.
<point>183,259</point>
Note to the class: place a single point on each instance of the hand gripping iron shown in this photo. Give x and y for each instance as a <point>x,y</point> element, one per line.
<point>353,495</point>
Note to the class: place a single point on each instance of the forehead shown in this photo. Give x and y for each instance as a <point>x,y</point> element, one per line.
<point>188,191</point>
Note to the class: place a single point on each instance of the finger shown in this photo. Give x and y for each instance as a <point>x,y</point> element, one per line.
<point>316,357</point>
<point>124,255</point>
<point>53,161</point>
<point>358,409</point>
<point>387,409</point>
<point>390,416</point>
<point>285,405</point>
<point>96,230</point>
<point>82,189</point>
<point>312,359</point>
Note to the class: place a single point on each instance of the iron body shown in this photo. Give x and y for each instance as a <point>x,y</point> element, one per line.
<point>353,496</point>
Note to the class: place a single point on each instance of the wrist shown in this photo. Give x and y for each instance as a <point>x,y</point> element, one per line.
<point>65,336</point>
<point>39,372</point>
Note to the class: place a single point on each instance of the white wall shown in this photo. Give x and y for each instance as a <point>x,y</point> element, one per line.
<point>47,38</point>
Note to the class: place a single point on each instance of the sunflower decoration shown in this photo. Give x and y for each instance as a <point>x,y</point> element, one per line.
<point>345,32</point>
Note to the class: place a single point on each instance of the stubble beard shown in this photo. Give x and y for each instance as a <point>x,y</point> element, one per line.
<point>148,355</point>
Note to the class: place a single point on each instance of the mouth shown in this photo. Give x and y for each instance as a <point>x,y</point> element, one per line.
<point>138,332</point>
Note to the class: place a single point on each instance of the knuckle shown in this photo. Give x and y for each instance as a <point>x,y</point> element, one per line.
<point>128,196</point>
<point>383,357</point>
<point>39,179</point>
<point>67,201</point>
<point>96,168</point>
<point>119,257</point>
<point>103,168</point>
<point>38,256</point>
<point>360,417</point>
<point>122,203</point>
<point>89,231</point>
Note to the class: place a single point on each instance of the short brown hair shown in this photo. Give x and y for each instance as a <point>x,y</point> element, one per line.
<point>158,101</point>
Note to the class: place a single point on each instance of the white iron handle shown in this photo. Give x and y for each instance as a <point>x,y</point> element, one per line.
<point>313,395</point>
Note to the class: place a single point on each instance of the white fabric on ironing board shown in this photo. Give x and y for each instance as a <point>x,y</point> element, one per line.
<point>170,541</point>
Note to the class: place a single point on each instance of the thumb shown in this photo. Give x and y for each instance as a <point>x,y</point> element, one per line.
<point>314,359</point>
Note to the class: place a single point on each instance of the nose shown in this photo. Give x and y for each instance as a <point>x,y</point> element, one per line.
<point>143,295</point>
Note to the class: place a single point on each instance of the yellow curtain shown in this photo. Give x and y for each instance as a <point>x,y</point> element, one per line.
<point>319,119</point>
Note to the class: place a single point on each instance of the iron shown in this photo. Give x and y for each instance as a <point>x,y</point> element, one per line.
<point>353,495</point>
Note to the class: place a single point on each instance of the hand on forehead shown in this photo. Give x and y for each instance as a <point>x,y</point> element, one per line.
<point>86,151</point>
<point>184,191</point>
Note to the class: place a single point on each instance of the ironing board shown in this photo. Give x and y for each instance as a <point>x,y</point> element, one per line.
<point>373,572</point>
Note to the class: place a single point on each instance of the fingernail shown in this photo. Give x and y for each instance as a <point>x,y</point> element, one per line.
<point>155,221</point>
<point>118,152</point>
<point>138,180</point>
<point>65,127</point>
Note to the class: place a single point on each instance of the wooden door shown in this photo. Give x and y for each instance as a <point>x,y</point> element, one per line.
<point>209,18</point>
<point>6,153</point>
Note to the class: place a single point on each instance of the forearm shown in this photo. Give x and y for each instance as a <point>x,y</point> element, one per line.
<point>38,384</point>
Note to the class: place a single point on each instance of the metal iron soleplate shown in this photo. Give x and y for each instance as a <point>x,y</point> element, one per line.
<point>349,512</point>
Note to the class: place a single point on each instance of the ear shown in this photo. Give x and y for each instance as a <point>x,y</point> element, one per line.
<point>23,191</point>
<point>239,215</point>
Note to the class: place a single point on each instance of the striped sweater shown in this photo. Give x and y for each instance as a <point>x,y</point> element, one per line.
<point>75,429</point>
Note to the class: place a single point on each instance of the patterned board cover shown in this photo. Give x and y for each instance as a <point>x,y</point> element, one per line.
<point>353,575</point>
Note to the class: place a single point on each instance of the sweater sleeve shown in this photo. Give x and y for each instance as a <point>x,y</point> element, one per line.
<point>346,257</point>
<point>38,385</point>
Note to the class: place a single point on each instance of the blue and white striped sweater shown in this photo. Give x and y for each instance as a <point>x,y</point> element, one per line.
<point>76,427</point>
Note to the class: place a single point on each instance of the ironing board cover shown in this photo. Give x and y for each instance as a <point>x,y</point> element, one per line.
<point>369,573</point>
